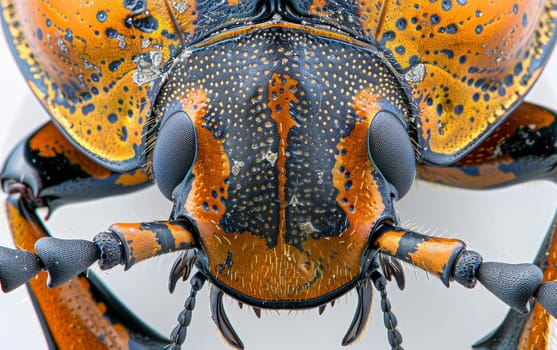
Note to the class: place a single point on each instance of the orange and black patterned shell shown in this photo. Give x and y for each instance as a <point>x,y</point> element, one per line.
<point>468,62</point>
<point>96,66</point>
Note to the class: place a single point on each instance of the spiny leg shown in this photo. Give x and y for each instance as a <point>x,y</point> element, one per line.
<point>124,244</point>
<point>50,172</point>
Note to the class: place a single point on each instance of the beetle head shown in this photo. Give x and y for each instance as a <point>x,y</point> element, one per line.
<point>283,168</point>
<point>275,159</point>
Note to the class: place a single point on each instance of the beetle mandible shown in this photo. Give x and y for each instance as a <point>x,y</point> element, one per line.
<point>283,132</point>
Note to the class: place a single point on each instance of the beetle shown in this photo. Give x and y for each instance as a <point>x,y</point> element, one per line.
<point>283,132</point>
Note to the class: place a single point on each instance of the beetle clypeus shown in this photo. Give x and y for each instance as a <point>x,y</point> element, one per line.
<point>283,132</point>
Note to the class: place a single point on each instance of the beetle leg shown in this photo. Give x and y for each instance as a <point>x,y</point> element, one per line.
<point>98,319</point>
<point>124,244</point>
<point>532,331</point>
<point>45,170</point>
<point>522,148</point>
<point>516,285</point>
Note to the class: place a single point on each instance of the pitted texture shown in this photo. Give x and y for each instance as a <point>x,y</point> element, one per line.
<point>468,63</point>
<point>17,267</point>
<point>282,175</point>
<point>466,268</point>
<point>514,284</point>
<point>546,295</point>
<point>271,114</point>
<point>210,16</point>
<point>110,250</point>
<point>340,15</point>
<point>65,259</point>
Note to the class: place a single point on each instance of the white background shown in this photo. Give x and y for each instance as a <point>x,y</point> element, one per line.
<point>505,225</point>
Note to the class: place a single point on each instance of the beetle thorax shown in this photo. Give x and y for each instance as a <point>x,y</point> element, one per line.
<point>282,190</point>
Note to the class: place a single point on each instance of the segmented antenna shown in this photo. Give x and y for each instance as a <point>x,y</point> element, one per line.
<point>389,318</point>
<point>178,335</point>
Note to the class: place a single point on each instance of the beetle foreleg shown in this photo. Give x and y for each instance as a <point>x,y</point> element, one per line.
<point>98,320</point>
<point>535,330</point>
<point>516,285</point>
<point>123,244</point>
<point>46,170</point>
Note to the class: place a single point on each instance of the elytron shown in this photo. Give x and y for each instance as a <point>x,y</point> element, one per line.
<point>283,132</point>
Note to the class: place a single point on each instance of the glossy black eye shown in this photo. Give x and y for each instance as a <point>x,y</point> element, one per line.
<point>174,152</point>
<point>391,150</point>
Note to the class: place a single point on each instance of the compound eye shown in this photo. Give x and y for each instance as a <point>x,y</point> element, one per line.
<point>391,150</point>
<point>174,152</point>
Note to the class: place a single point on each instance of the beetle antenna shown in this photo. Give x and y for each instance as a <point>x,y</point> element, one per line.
<point>395,338</point>
<point>178,335</point>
